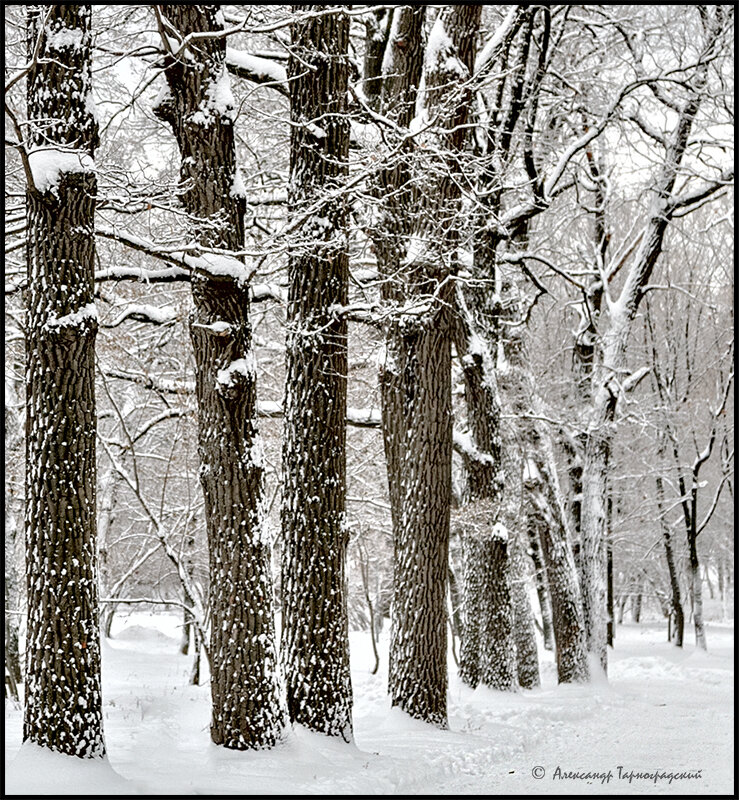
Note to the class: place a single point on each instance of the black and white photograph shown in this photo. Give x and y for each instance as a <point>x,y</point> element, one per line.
<point>369,399</point>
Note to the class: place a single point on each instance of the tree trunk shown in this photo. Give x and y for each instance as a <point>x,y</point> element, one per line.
<point>497,656</point>
<point>63,703</point>
<point>13,599</point>
<point>611,622</point>
<point>707,579</point>
<point>542,589</point>
<point>551,520</point>
<point>455,603</point>
<point>474,603</point>
<point>722,585</point>
<point>675,599</point>
<point>106,517</point>
<point>695,579</point>
<point>622,607</point>
<point>527,657</point>
<point>416,381</point>
<point>243,654</point>
<point>547,510</point>
<point>315,646</point>
<point>636,600</point>
<point>593,566</point>
<point>418,647</point>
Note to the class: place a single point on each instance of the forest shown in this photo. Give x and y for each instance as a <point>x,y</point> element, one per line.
<point>369,398</point>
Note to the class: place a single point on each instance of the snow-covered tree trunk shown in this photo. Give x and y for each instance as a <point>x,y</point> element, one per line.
<point>491,501</point>
<point>315,645</point>
<point>417,420</point>
<point>524,632</point>
<point>107,493</point>
<point>544,499</point>
<point>474,603</point>
<point>697,587</point>
<point>550,518</point>
<point>393,92</point>
<point>497,651</point>
<point>676,605</point>
<point>243,652</point>
<point>63,702</point>
<point>13,595</point>
<point>540,578</point>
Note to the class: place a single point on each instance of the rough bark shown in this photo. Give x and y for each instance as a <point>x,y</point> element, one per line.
<point>315,647</point>
<point>544,500</point>
<point>551,519</point>
<point>418,640</point>
<point>474,603</point>
<point>63,703</point>
<point>527,657</point>
<point>498,655</point>
<point>416,386</point>
<point>493,488</point>
<point>542,588</point>
<point>243,657</point>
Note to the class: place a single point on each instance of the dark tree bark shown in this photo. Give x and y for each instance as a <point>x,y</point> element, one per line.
<point>611,625</point>
<point>473,604</point>
<point>315,647</point>
<point>542,588</point>
<point>492,503</point>
<point>636,599</point>
<point>63,703</point>
<point>243,656</point>
<point>497,654</point>
<point>550,518</point>
<point>527,656</point>
<point>416,381</point>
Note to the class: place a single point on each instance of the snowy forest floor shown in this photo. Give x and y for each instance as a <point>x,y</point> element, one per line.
<point>662,709</point>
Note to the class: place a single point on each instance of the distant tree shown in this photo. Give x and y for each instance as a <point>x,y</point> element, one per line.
<point>668,196</point>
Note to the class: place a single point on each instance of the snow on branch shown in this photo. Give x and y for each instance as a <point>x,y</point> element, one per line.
<point>144,313</point>
<point>169,275</point>
<point>257,69</point>
<point>464,445</point>
<point>690,201</point>
<point>486,57</point>
<point>214,266</point>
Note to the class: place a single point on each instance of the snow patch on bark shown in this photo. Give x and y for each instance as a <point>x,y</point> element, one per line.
<point>237,187</point>
<point>500,532</point>
<point>219,101</point>
<point>231,375</point>
<point>62,38</point>
<point>87,312</point>
<point>49,163</point>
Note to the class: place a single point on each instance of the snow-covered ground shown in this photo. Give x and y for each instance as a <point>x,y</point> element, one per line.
<point>663,711</point>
